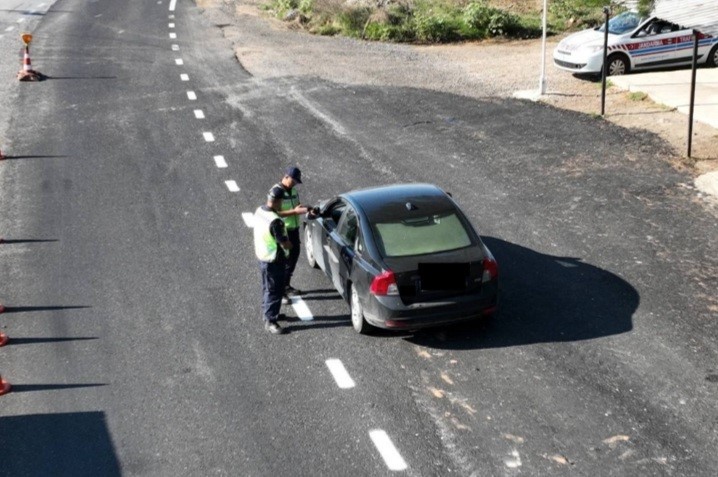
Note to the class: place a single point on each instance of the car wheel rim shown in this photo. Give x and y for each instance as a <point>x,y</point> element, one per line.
<point>357,317</point>
<point>309,246</point>
<point>715,57</point>
<point>617,67</point>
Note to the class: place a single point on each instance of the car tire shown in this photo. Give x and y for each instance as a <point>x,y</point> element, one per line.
<point>618,65</point>
<point>359,323</point>
<point>309,247</point>
<point>713,57</point>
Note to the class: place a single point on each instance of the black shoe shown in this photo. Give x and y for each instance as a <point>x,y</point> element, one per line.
<point>291,291</point>
<point>273,327</point>
<point>282,317</point>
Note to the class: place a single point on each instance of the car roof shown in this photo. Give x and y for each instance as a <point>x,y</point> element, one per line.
<point>390,202</point>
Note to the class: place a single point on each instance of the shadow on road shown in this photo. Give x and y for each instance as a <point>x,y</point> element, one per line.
<point>27,309</point>
<point>27,341</point>
<point>68,444</point>
<point>544,299</point>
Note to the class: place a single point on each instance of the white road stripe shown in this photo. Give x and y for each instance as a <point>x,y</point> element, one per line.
<point>391,456</point>
<point>179,61</point>
<point>20,20</point>
<point>301,309</point>
<point>173,4</point>
<point>248,218</point>
<point>184,77</point>
<point>340,374</point>
<point>175,47</point>
<point>191,95</point>
<point>173,35</point>
<point>199,114</point>
<point>171,25</point>
<point>208,136</point>
<point>10,28</point>
<point>171,17</point>
<point>232,186</point>
<point>221,163</point>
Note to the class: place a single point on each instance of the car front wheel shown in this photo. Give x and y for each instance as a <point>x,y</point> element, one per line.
<point>618,65</point>
<point>309,247</point>
<point>713,57</point>
<point>358,322</point>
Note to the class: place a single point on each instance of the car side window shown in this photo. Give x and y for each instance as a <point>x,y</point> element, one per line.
<point>347,228</point>
<point>333,214</point>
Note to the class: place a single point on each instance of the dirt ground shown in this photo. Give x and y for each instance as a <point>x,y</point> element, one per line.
<point>478,69</point>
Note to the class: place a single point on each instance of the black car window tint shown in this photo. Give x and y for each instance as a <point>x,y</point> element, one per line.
<point>334,213</point>
<point>347,229</point>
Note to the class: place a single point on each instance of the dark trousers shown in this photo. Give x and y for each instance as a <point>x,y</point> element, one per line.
<point>291,263</point>
<point>272,288</point>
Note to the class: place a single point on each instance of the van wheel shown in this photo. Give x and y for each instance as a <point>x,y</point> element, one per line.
<point>358,321</point>
<point>618,65</point>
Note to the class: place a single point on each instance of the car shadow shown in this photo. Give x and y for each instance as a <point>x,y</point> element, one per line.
<point>543,299</point>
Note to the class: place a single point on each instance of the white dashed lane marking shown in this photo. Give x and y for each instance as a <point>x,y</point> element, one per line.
<point>184,77</point>
<point>386,448</point>
<point>208,136</point>
<point>232,186</point>
<point>171,25</point>
<point>221,163</point>
<point>175,47</point>
<point>173,4</point>
<point>179,61</point>
<point>191,95</point>
<point>248,218</point>
<point>199,114</point>
<point>340,374</point>
<point>173,35</point>
<point>301,309</point>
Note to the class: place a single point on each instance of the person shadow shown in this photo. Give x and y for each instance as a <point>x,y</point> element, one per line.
<point>543,299</point>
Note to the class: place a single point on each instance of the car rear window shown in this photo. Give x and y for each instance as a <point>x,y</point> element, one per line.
<point>421,235</point>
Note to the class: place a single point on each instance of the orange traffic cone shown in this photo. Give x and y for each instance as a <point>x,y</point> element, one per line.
<point>3,339</point>
<point>2,308</point>
<point>4,386</point>
<point>2,156</point>
<point>27,73</point>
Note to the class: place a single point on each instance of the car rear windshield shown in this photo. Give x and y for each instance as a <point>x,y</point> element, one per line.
<point>422,235</point>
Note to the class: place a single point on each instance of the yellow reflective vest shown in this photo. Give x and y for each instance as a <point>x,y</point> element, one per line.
<point>289,201</point>
<point>265,245</point>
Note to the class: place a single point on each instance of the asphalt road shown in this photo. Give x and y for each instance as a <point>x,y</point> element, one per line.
<point>132,292</point>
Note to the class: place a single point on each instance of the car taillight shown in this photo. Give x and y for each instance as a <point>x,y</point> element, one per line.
<point>384,284</point>
<point>491,269</point>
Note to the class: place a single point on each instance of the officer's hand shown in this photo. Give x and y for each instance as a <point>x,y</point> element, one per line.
<point>300,210</point>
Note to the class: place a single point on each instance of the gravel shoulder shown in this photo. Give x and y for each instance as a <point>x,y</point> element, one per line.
<point>496,68</point>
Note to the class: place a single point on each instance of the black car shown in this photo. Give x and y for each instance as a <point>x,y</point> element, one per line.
<point>404,257</point>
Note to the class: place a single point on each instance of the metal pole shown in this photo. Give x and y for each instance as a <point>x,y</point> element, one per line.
<point>542,80</point>
<point>693,91</point>
<point>604,70</point>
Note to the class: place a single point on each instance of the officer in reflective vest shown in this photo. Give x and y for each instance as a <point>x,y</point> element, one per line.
<point>290,212</point>
<point>272,247</point>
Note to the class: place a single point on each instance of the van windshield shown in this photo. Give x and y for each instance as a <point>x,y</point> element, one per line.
<point>623,23</point>
<point>422,235</point>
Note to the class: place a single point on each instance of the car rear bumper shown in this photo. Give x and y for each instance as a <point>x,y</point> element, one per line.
<point>391,313</point>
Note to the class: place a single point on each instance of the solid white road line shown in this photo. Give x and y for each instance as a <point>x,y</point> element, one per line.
<point>184,77</point>
<point>179,61</point>
<point>248,218</point>
<point>191,95</point>
<point>173,35</point>
<point>199,114</point>
<point>221,163</point>
<point>301,309</point>
<point>391,456</point>
<point>208,136</point>
<point>173,4</point>
<point>232,186</point>
<point>336,367</point>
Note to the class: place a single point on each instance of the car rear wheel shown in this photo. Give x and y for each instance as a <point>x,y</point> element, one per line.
<point>309,248</point>
<point>358,322</point>
<point>618,65</point>
<point>713,57</point>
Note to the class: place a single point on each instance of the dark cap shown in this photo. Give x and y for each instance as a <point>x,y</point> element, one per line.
<point>276,192</point>
<point>294,173</point>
